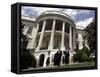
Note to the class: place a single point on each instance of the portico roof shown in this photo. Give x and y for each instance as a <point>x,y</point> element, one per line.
<point>58,13</point>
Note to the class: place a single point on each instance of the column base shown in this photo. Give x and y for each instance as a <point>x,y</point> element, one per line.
<point>44,64</point>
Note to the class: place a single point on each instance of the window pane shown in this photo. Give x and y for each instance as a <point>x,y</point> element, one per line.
<point>49,23</point>
<point>58,26</point>
<point>40,26</point>
<point>30,29</point>
<point>67,27</point>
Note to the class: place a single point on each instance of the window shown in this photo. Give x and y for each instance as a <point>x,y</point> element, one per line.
<point>83,36</point>
<point>58,26</point>
<point>57,42</point>
<point>77,45</point>
<point>83,44</point>
<point>30,29</point>
<point>49,24</point>
<point>67,27</point>
<point>40,26</point>
<point>76,35</point>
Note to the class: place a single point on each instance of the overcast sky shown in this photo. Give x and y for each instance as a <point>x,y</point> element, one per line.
<point>81,17</point>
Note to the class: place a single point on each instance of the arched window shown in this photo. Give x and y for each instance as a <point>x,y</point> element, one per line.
<point>41,60</point>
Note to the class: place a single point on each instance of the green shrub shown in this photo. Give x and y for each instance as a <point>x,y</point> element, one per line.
<point>91,59</point>
<point>34,62</point>
<point>77,56</point>
<point>86,50</point>
<point>83,58</point>
<point>25,59</point>
<point>81,55</point>
<point>76,50</point>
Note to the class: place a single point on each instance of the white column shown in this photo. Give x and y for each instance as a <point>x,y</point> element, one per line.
<point>70,45</point>
<point>50,47</point>
<point>44,64</point>
<point>70,38</point>
<point>41,36</point>
<point>63,37</point>
<point>34,35</point>
<point>25,29</point>
<point>74,38</point>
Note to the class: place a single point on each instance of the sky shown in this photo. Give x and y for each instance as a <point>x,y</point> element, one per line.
<point>81,17</point>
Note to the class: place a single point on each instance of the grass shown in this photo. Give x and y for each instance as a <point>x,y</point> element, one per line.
<point>76,65</point>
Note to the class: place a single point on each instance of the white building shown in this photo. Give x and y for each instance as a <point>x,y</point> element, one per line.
<point>50,31</point>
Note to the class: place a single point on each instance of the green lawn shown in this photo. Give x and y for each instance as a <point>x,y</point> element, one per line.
<point>77,65</point>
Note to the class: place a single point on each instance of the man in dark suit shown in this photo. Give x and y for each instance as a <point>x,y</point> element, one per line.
<point>66,57</point>
<point>57,57</point>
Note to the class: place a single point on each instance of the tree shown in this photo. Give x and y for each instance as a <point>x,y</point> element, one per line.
<point>26,59</point>
<point>90,36</point>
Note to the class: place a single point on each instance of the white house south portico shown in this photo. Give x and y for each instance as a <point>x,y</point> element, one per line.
<point>53,30</point>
